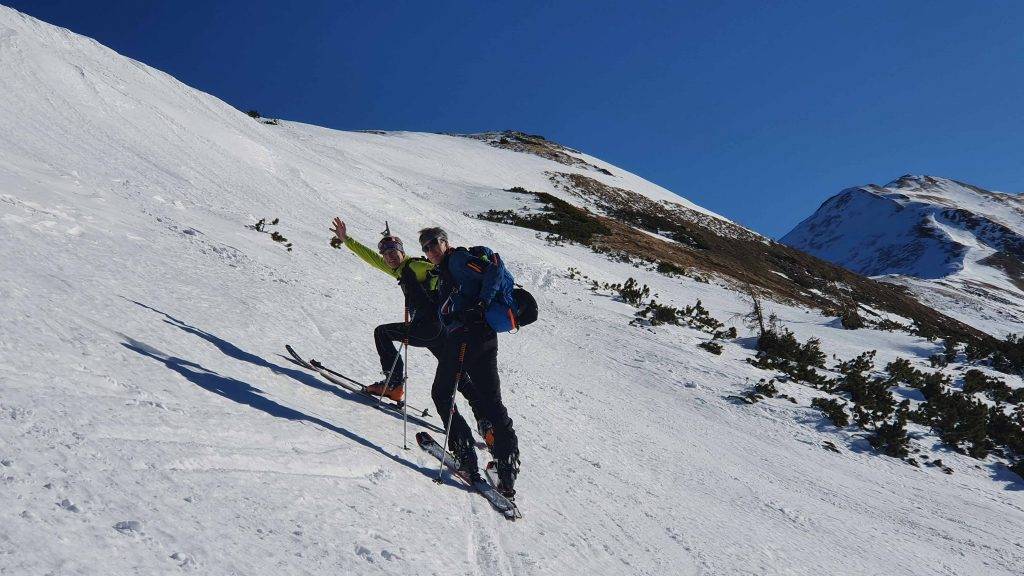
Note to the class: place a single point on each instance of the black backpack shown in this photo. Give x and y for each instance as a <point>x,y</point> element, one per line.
<point>526,306</point>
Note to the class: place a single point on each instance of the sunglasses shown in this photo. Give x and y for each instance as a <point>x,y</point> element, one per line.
<point>430,245</point>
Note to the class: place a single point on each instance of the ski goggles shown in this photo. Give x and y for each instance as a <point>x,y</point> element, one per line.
<point>431,244</point>
<point>390,244</point>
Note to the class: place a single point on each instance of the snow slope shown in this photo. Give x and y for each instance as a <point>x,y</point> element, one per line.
<point>149,425</point>
<point>959,248</point>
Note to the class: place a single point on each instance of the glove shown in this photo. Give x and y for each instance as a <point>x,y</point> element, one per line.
<point>475,315</point>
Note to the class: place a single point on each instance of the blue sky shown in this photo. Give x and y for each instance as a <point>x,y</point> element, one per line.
<point>756,110</point>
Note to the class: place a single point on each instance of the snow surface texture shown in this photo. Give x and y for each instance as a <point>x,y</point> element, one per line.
<point>934,236</point>
<point>148,424</point>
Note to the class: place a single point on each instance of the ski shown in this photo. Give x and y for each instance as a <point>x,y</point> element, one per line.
<point>502,504</point>
<point>354,386</point>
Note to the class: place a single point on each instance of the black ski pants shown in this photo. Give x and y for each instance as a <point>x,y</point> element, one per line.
<point>427,335</point>
<point>473,353</point>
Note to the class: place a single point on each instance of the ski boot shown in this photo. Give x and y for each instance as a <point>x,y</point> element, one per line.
<point>506,470</point>
<point>465,457</point>
<point>393,391</point>
<point>486,430</point>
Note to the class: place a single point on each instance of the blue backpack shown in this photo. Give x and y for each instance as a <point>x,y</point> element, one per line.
<point>512,306</point>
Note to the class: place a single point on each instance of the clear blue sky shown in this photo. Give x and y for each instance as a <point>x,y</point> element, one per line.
<point>756,110</point>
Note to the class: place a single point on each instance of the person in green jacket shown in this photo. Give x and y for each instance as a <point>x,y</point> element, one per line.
<point>419,285</point>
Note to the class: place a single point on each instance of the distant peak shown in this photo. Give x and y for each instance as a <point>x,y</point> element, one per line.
<point>918,181</point>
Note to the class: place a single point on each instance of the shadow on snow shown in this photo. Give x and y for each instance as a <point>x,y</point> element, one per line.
<point>246,394</point>
<point>301,376</point>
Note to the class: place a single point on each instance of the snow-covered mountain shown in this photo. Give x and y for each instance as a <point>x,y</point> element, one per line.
<point>150,425</point>
<point>958,247</point>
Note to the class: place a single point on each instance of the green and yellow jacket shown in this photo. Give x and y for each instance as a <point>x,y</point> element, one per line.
<point>415,276</point>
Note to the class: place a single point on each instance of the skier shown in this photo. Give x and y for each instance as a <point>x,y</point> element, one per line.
<point>467,286</point>
<point>424,330</point>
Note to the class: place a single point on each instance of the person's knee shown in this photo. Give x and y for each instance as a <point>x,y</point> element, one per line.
<point>440,395</point>
<point>380,332</point>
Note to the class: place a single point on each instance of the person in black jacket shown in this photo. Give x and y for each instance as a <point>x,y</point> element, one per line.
<point>467,286</point>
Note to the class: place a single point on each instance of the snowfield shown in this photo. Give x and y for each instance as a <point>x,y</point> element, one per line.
<point>149,423</point>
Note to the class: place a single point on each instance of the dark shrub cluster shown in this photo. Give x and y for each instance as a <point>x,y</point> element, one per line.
<point>1009,357</point>
<point>872,401</point>
<point>656,314</point>
<point>960,421</point>
<point>669,269</point>
<point>558,218</point>
<point>659,223</point>
<point>833,410</point>
<point>901,372</point>
<point>711,346</point>
<point>575,273</point>
<point>1007,430</point>
<point>778,349</point>
<point>1018,468</point>
<point>949,353</point>
<point>890,438</point>
<point>276,236</point>
<point>995,389</point>
<point>888,325</point>
<point>851,319</point>
<point>1005,356</point>
<point>631,291</point>
<point>695,316</point>
<point>763,389</point>
<point>781,343</point>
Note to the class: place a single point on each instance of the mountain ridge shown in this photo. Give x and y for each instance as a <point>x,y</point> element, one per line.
<point>920,231</point>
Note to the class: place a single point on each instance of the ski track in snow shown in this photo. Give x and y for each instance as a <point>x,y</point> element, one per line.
<point>150,425</point>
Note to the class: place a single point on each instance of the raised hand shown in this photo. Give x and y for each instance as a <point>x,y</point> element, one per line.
<point>339,229</point>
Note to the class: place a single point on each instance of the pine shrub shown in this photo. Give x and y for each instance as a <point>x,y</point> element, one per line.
<point>1006,431</point>
<point>851,319</point>
<point>976,381</point>
<point>669,269</point>
<point>711,346</point>
<point>872,400</point>
<point>1018,469</point>
<point>890,438</point>
<point>781,343</point>
<point>900,371</point>
<point>833,410</point>
<point>778,349</point>
<point>960,421</point>
<point>560,219</point>
<point>631,292</point>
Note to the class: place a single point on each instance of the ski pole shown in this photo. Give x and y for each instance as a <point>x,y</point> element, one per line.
<point>405,377</point>
<point>405,415</point>
<point>387,382</point>
<point>391,372</point>
<point>451,410</point>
